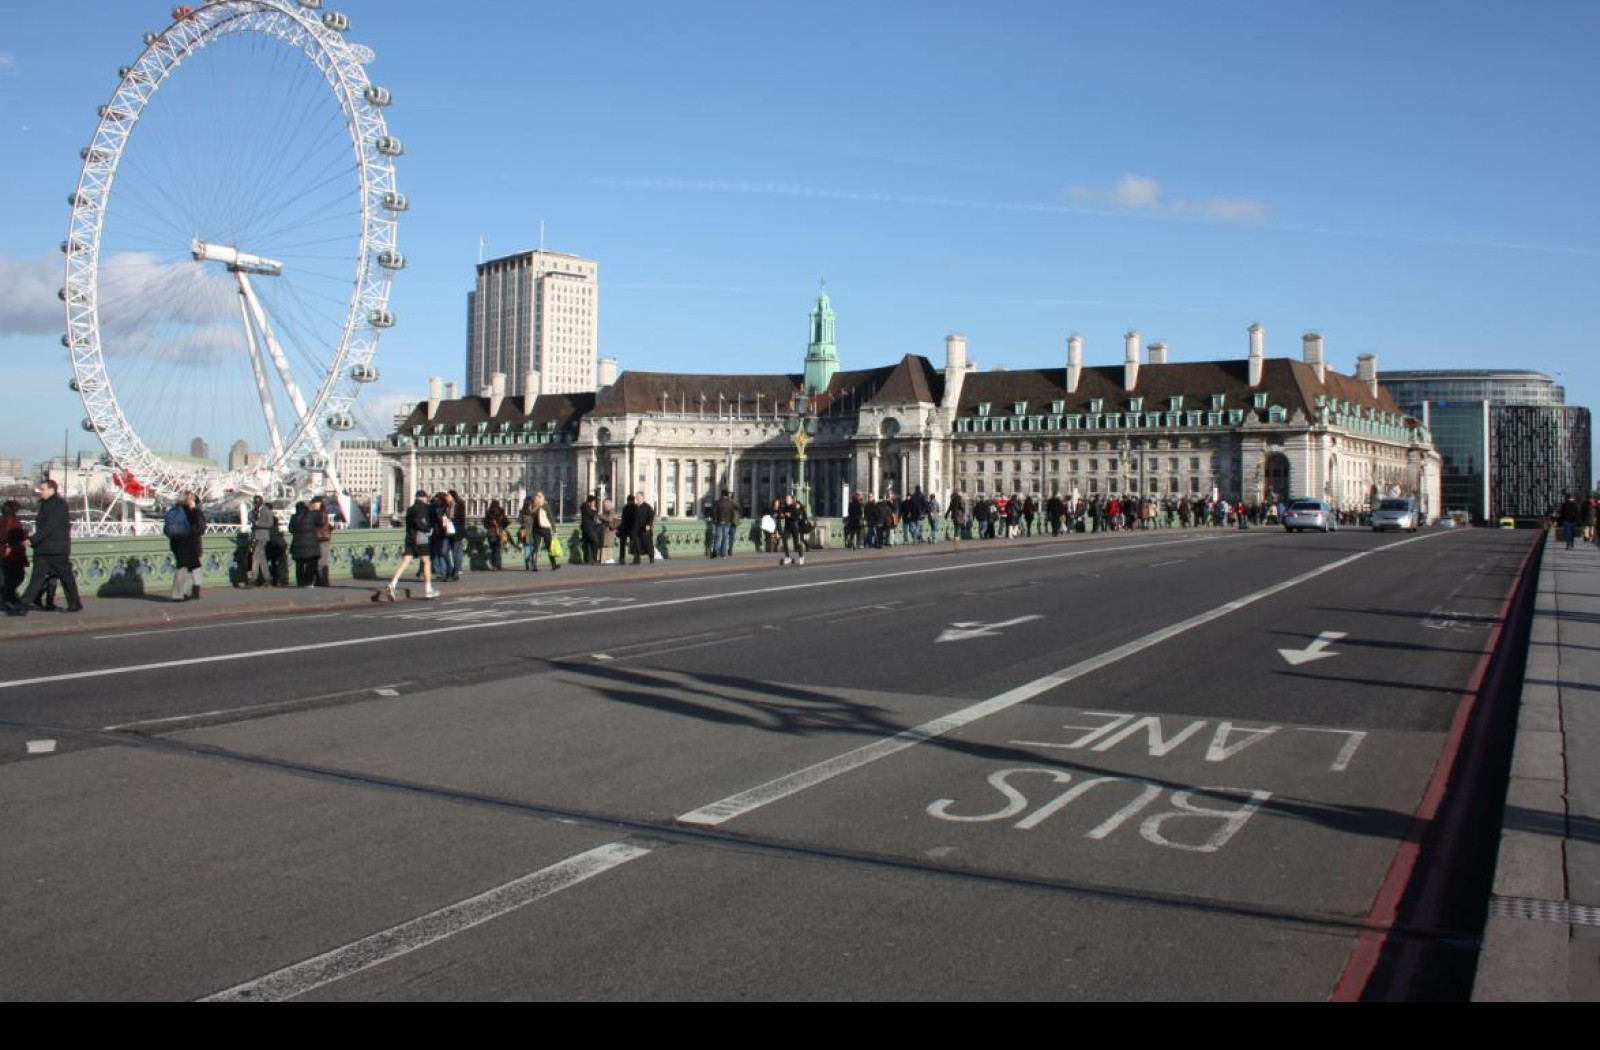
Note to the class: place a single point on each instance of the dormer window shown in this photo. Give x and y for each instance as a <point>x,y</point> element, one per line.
<point>1057,407</point>
<point>1177,402</point>
<point>1260,400</point>
<point>983,408</point>
<point>1136,404</point>
<point>1216,402</point>
<point>1018,407</point>
<point>1097,405</point>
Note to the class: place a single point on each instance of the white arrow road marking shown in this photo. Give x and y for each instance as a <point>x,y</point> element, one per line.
<point>1314,651</point>
<point>960,632</point>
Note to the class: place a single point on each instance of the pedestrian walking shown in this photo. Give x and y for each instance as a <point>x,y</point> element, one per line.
<point>13,552</point>
<point>419,534</point>
<point>541,530</point>
<point>643,539</point>
<point>185,529</point>
<point>52,550</point>
<point>262,519</point>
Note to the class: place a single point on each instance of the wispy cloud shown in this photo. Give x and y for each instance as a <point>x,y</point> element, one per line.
<point>1128,199</point>
<point>1113,304</point>
<point>798,189</point>
<point>714,289</point>
<point>172,311</point>
<point>8,64</point>
<point>28,303</point>
<point>1143,194</point>
<point>1132,197</point>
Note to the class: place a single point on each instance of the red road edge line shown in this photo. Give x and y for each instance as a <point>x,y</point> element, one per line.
<point>1363,959</point>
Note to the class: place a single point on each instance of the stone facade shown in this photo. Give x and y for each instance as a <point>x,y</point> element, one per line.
<point>1250,428</point>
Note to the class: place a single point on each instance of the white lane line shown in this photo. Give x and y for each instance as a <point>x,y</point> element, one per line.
<point>41,747</point>
<point>381,690</point>
<point>727,640</point>
<point>428,929</point>
<point>699,579</point>
<point>290,618</point>
<point>1175,561</point>
<point>773,790</point>
<point>398,636</point>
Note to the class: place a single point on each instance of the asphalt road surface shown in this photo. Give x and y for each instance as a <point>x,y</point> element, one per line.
<point>1143,766</point>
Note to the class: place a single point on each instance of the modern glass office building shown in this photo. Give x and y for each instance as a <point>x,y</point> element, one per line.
<point>1510,443</point>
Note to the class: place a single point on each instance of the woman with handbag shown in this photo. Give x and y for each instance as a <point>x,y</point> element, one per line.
<point>540,530</point>
<point>494,523</point>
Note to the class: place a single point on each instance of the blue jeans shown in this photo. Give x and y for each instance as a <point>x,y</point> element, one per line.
<point>724,539</point>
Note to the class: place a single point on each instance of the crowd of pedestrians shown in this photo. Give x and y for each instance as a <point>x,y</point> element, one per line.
<point>871,521</point>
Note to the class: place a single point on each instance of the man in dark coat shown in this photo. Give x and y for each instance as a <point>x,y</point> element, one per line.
<point>52,550</point>
<point>644,521</point>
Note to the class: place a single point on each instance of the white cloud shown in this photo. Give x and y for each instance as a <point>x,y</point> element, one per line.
<point>1143,194</point>
<point>173,311</point>
<point>28,303</point>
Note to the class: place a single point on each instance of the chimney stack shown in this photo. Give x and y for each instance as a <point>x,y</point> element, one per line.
<point>435,391</point>
<point>1130,363</point>
<point>1074,362</point>
<point>1258,354</point>
<point>955,369</point>
<point>608,372</point>
<point>497,393</point>
<point>450,392</point>
<point>1158,353</point>
<point>1367,371</point>
<point>1312,344</point>
<point>530,391</point>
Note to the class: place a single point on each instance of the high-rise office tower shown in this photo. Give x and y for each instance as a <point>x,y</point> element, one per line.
<point>535,317</point>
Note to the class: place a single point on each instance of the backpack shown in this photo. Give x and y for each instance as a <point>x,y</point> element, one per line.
<point>176,523</point>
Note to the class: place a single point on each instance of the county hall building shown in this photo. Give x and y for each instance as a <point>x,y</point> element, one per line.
<point>1250,427</point>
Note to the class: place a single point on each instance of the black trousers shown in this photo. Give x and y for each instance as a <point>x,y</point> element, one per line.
<point>46,566</point>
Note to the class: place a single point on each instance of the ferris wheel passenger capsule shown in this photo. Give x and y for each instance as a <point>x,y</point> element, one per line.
<point>311,5</point>
<point>341,421</point>
<point>377,96</point>
<point>364,373</point>
<point>380,319</point>
<point>390,259</point>
<point>388,145</point>
<point>394,201</point>
<point>336,21</point>
<point>88,424</point>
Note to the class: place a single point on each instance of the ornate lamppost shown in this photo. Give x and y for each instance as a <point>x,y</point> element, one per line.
<point>801,423</point>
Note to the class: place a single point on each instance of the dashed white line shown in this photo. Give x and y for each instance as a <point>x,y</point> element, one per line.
<point>428,929</point>
<point>214,626</point>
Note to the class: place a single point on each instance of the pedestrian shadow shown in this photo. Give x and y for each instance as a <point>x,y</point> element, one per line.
<point>1373,643</point>
<point>1554,684</point>
<point>1572,616</point>
<point>1548,822</point>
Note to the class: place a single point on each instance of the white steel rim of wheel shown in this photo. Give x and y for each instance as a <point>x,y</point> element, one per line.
<point>228,265</point>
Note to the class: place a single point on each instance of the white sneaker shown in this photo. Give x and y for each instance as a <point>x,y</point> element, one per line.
<point>802,559</point>
<point>783,561</point>
<point>430,593</point>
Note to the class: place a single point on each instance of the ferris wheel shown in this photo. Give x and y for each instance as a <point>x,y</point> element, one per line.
<point>231,249</point>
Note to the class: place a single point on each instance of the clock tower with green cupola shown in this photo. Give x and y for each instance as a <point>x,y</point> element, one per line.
<point>822,356</point>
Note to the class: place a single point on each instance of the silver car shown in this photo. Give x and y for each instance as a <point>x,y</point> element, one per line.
<point>1398,513</point>
<point>1305,514</point>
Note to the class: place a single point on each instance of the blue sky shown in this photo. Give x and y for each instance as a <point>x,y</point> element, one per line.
<point>1413,180</point>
